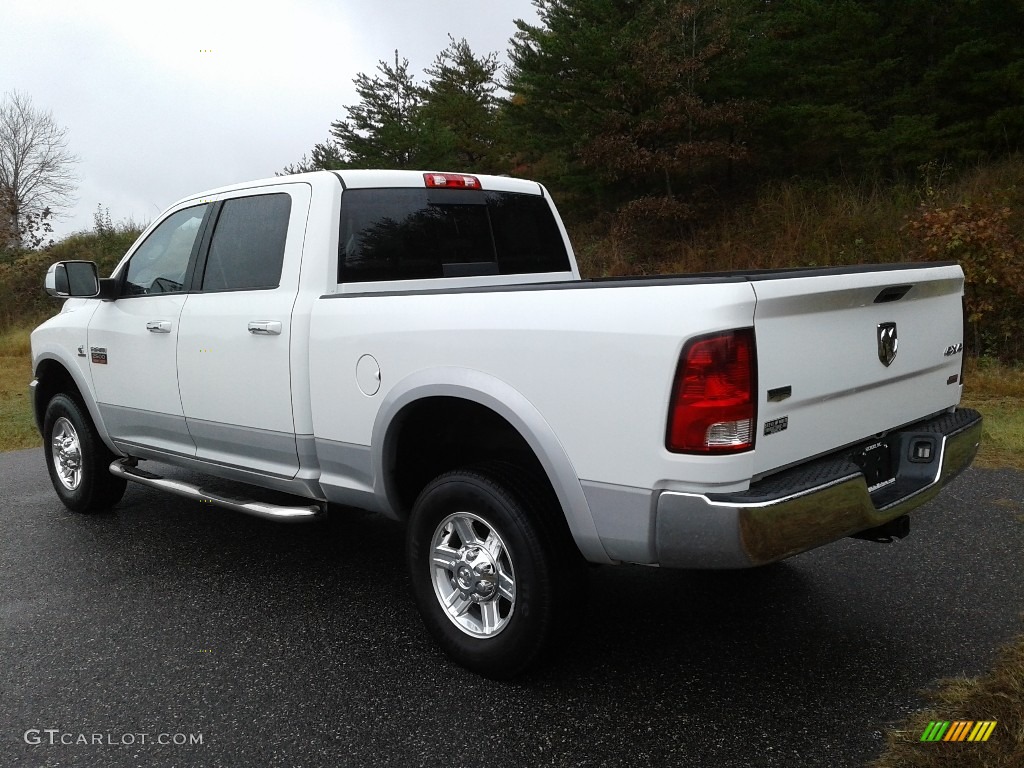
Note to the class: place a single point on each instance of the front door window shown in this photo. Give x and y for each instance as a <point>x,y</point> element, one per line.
<point>160,264</point>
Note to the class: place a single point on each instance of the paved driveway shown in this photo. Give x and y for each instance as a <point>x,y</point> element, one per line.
<point>168,620</point>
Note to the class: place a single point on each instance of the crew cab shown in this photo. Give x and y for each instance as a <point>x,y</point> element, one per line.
<point>421,345</point>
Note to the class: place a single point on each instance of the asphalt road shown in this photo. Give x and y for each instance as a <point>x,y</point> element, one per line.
<point>299,646</point>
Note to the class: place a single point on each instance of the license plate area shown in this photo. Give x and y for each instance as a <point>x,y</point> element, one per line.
<point>877,463</point>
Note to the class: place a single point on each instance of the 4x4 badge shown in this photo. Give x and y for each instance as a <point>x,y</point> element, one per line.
<point>887,343</point>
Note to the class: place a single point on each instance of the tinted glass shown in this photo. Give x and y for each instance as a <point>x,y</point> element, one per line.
<point>247,247</point>
<point>527,237</point>
<point>160,263</point>
<point>405,234</point>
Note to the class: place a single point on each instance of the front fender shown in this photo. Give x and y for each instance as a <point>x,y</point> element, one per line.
<point>57,343</point>
<point>86,396</point>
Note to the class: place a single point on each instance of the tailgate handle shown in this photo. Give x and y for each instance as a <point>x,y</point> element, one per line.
<point>892,293</point>
<point>265,327</point>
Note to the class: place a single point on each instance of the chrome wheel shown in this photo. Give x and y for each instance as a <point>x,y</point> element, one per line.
<point>497,585</point>
<point>76,459</point>
<point>472,572</point>
<point>67,454</point>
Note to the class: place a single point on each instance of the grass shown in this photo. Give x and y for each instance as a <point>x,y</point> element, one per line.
<point>998,392</point>
<point>17,427</point>
<point>997,696</point>
<point>1003,440</point>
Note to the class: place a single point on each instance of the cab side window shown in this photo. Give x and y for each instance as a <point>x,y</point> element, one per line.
<point>247,247</point>
<point>160,264</point>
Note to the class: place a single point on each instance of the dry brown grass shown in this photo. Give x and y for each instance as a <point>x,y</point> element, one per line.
<point>997,696</point>
<point>798,223</point>
<point>788,224</point>
<point>15,342</point>
<point>987,378</point>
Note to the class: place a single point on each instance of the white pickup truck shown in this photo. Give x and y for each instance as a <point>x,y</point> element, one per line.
<point>422,345</point>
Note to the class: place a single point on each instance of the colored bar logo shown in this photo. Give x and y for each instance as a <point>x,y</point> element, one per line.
<point>959,730</point>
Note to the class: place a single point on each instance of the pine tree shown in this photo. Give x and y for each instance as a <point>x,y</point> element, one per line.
<point>460,110</point>
<point>619,90</point>
<point>383,129</point>
<point>872,86</point>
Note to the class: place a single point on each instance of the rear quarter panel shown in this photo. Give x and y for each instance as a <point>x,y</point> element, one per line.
<point>597,363</point>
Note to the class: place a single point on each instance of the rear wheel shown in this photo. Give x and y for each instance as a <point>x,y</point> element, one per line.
<point>494,580</point>
<point>77,459</point>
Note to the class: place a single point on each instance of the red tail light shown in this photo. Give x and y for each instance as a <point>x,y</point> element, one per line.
<point>713,401</point>
<point>451,181</point>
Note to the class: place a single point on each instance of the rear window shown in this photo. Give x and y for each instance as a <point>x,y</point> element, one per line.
<point>407,234</point>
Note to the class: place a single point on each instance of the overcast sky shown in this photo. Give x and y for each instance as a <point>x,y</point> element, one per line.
<point>162,100</point>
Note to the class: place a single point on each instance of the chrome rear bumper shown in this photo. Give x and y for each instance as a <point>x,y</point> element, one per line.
<point>808,506</point>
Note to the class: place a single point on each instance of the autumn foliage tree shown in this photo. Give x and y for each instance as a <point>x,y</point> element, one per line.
<point>978,235</point>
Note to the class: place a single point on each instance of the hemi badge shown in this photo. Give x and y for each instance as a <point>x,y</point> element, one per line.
<point>99,355</point>
<point>775,426</point>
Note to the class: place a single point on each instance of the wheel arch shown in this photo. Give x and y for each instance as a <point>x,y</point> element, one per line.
<point>513,428</point>
<point>52,377</point>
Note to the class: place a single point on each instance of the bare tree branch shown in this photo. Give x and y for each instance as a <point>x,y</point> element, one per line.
<point>36,167</point>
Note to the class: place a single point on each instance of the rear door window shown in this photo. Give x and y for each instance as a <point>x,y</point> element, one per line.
<point>247,247</point>
<point>409,234</point>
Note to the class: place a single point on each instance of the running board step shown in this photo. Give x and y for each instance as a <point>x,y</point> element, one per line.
<point>121,468</point>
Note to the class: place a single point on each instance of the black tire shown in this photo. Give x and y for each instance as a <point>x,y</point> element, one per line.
<point>494,636</point>
<point>90,487</point>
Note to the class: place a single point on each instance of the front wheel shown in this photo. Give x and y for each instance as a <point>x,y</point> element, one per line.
<point>492,579</point>
<point>77,459</point>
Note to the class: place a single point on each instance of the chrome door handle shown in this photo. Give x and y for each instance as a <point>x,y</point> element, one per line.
<point>265,327</point>
<point>158,326</point>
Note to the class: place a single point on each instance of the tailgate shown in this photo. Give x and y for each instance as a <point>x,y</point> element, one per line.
<point>823,344</point>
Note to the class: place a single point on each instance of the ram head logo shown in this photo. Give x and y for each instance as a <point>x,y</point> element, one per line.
<point>888,343</point>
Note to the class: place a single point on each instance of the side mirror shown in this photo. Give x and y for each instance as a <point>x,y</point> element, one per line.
<point>72,279</point>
